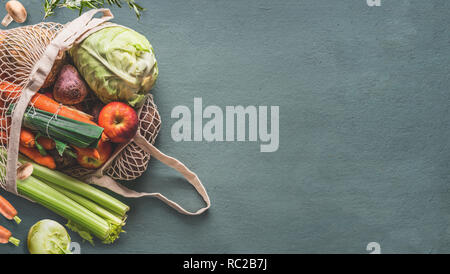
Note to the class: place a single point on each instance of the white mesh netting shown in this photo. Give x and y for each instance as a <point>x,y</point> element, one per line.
<point>133,161</point>
<point>20,50</point>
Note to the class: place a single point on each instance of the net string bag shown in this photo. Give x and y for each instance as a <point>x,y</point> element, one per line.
<point>27,56</point>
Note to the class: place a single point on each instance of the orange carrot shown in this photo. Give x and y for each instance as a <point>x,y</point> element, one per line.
<point>3,138</point>
<point>7,210</point>
<point>9,91</point>
<point>45,103</point>
<point>46,143</point>
<point>27,138</point>
<point>33,154</point>
<point>5,122</point>
<point>6,236</point>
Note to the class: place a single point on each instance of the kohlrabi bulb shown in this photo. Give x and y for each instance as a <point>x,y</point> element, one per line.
<point>48,237</point>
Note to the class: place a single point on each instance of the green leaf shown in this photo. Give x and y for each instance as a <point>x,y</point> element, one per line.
<point>81,231</point>
<point>51,5</point>
<point>60,147</point>
<point>70,153</point>
<point>41,149</point>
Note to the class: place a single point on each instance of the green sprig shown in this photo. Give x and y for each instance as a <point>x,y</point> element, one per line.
<point>51,5</point>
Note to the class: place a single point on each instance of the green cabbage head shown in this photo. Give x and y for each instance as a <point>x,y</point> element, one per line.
<point>118,64</point>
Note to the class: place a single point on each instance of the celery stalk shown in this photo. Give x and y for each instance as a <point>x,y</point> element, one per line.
<point>79,187</point>
<point>93,207</point>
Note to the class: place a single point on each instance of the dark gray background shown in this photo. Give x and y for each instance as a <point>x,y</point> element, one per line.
<point>364,126</point>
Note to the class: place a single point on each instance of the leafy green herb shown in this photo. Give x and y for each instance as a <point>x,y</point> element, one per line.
<point>51,5</point>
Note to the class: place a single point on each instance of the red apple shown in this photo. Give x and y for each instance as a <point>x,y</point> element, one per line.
<point>94,158</point>
<point>119,120</point>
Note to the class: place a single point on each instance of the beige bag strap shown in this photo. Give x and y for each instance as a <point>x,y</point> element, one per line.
<point>190,176</point>
<point>63,40</point>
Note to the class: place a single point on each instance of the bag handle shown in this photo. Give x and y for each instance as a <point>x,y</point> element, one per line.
<point>191,177</point>
<point>74,30</point>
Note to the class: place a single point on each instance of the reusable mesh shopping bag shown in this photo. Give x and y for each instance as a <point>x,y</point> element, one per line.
<point>27,56</point>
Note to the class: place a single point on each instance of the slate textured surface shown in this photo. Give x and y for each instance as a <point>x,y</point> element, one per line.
<point>364,126</point>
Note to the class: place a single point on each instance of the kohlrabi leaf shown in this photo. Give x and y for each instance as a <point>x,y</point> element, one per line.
<point>84,234</point>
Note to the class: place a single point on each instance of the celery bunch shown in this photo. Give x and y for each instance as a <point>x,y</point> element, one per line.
<point>88,210</point>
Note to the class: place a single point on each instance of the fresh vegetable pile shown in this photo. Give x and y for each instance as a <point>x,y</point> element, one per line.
<point>74,103</point>
<point>84,110</point>
<point>67,123</point>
